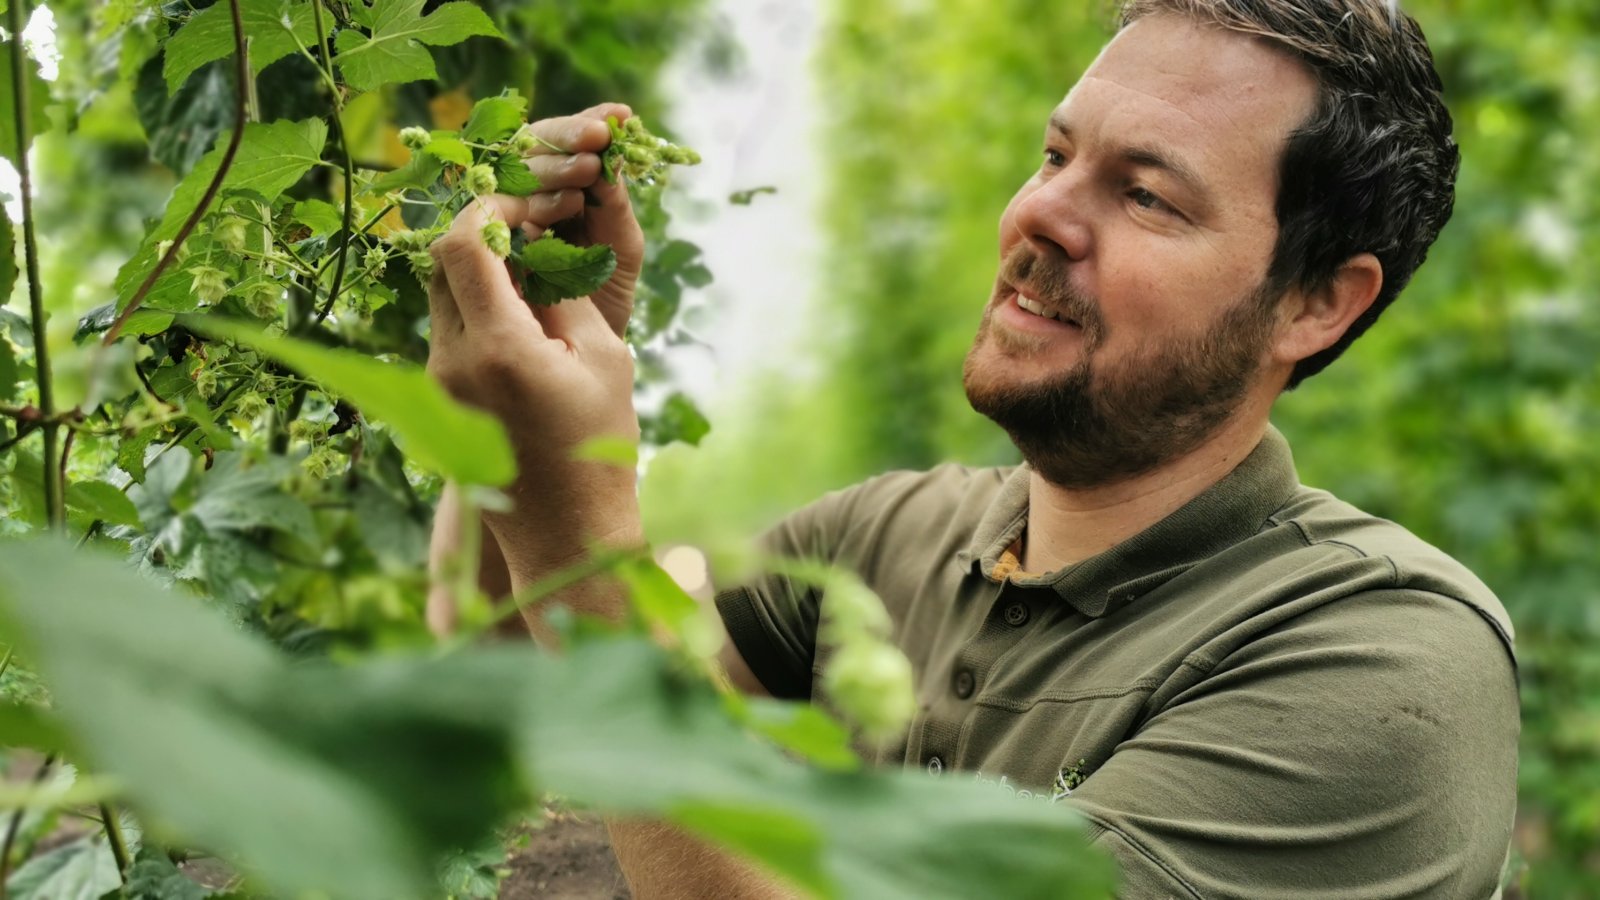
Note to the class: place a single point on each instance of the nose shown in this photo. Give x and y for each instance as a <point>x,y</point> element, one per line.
<point>1052,215</point>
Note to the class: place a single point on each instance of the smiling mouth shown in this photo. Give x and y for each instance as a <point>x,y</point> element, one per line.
<point>1034,307</point>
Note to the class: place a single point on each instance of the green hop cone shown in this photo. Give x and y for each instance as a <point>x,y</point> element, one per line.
<point>230,233</point>
<point>321,462</point>
<point>421,263</point>
<point>209,283</point>
<point>523,142</point>
<point>375,260</point>
<point>870,683</point>
<point>250,406</point>
<point>415,138</point>
<point>679,156</point>
<point>205,382</point>
<point>262,301</point>
<point>497,237</point>
<point>480,180</point>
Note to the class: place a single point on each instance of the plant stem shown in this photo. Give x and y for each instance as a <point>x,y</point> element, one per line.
<point>119,849</point>
<point>16,817</point>
<point>349,167</point>
<point>242,70</point>
<point>55,509</point>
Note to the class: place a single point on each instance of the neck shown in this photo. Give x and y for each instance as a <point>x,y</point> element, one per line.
<point>1068,525</point>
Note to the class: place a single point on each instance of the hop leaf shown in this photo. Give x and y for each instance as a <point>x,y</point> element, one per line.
<point>555,270</point>
<point>497,237</point>
<point>480,180</point>
<point>414,138</point>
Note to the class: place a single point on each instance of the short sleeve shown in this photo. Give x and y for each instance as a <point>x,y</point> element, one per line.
<point>1365,749</point>
<point>773,621</point>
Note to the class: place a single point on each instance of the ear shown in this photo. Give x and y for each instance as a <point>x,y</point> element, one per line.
<point>1314,321</point>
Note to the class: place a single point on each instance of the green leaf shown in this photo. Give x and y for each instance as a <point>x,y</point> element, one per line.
<point>679,420</point>
<point>495,118</point>
<point>38,99</point>
<point>273,27</point>
<point>8,370</point>
<point>513,175</point>
<point>104,501</point>
<point>153,877</point>
<point>29,726</point>
<point>271,158</point>
<point>448,148</point>
<point>394,53</point>
<point>557,270</point>
<point>8,259</point>
<point>439,434</point>
<point>234,495</point>
<point>320,780</point>
<point>83,869</point>
<point>420,174</point>
<point>320,216</point>
<point>610,450</point>
<point>784,841</point>
<point>800,728</point>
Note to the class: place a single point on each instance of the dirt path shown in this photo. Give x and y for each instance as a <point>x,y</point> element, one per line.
<point>568,859</point>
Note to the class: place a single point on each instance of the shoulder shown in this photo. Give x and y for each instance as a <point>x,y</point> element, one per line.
<point>1328,527</point>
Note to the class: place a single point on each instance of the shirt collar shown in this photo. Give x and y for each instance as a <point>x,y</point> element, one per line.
<point>1222,515</point>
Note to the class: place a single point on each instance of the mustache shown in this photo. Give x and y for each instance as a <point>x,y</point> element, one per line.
<point>1048,281</point>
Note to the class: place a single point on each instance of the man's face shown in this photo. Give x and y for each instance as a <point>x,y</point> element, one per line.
<point>1148,230</point>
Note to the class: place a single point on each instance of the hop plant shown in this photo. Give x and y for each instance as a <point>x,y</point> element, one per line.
<point>209,283</point>
<point>230,233</point>
<point>523,142</point>
<point>205,382</point>
<point>414,138</point>
<point>639,155</point>
<point>421,263</point>
<point>480,180</point>
<point>320,462</point>
<point>375,260</point>
<point>497,237</point>
<point>868,679</point>
<point>250,406</point>
<point>261,300</point>
<point>870,682</point>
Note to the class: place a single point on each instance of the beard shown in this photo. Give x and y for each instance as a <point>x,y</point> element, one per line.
<point>1098,423</point>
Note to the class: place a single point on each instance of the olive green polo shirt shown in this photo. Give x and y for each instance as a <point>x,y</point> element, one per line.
<point>1269,693</point>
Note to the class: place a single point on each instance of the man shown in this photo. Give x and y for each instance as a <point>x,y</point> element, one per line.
<point>1249,688</point>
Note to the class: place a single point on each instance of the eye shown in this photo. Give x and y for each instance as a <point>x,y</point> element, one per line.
<point>1146,200</point>
<point>1054,158</point>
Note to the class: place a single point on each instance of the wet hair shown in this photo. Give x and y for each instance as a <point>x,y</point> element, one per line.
<point>1373,169</point>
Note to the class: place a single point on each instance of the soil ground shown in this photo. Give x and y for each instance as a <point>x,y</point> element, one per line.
<point>568,859</point>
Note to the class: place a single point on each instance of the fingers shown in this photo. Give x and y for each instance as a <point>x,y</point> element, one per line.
<point>546,209</point>
<point>585,132</point>
<point>557,172</point>
<point>475,278</point>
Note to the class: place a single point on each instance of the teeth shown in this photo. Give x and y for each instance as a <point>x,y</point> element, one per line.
<point>1035,307</point>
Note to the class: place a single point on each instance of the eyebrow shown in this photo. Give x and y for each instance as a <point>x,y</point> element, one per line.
<point>1151,156</point>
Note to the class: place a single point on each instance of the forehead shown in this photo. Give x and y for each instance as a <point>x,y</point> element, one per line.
<point>1221,101</point>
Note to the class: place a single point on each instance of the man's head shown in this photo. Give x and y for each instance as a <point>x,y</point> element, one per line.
<point>1230,195</point>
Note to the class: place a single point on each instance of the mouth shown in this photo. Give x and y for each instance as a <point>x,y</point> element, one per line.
<point>1024,308</point>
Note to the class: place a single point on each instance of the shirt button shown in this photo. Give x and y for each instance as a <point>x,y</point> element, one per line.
<point>1017,615</point>
<point>935,765</point>
<point>965,683</point>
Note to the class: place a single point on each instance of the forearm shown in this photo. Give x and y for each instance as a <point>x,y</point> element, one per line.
<point>663,862</point>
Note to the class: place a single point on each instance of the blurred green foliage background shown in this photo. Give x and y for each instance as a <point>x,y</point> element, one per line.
<point>1470,414</point>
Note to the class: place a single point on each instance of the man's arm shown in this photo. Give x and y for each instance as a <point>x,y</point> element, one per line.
<point>557,377</point>
<point>1365,749</point>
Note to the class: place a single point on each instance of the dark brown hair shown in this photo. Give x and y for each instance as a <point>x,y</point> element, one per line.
<point>1373,170</point>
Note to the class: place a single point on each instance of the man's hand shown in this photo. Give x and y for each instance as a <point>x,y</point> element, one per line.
<point>555,376</point>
